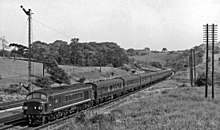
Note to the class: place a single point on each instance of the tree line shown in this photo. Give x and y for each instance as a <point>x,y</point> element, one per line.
<point>74,53</point>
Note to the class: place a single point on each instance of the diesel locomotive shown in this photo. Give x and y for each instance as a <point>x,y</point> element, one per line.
<point>48,104</point>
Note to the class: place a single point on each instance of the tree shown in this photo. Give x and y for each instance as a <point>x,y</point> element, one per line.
<point>74,40</point>
<point>20,49</point>
<point>40,51</point>
<point>64,54</point>
<point>57,75</point>
<point>164,50</point>
<point>201,80</point>
<point>131,52</point>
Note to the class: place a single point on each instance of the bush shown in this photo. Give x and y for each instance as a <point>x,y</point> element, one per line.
<point>156,64</point>
<point>58,75</point>
<point>201,80</point>
<point>43,82</point>
<point>15,89</point>
<point>82,79</point>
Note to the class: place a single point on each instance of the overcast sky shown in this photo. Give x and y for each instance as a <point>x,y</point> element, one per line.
<point>174,24</point>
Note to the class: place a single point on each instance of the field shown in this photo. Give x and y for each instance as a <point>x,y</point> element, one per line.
<point>16,71</point>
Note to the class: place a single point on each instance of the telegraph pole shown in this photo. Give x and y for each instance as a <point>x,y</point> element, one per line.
<point>191,67</point>
<point>28,13</point>
<point>3,46</point>
<point>214,38</point>
<point>194,66</point>
<point>206,39</point>
<point>210,36</point>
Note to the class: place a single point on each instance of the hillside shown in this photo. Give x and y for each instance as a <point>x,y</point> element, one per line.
<point>13,72</point>
<point>158,57</point>
<point>172,60</point>
<point>92,73</point>
<point>201,67</point>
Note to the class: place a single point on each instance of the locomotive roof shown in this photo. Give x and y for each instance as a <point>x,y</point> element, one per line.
<point>62,88</point>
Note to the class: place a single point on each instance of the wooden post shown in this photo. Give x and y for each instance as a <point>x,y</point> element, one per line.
<point>213,59</point>
<point>43,68</point>
<point>207,58</point>
<point>190,68</point>
<point>194,65</point>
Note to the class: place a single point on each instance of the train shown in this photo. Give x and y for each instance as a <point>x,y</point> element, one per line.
<point>48,104</point>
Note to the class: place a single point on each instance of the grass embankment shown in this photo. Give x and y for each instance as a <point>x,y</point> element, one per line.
<point>15,71</point>
<point>177,108</point>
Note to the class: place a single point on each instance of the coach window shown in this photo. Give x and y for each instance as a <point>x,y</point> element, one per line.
<point>113,87</point>
<point>110,87</point>
<point>106,88</point>
<point>119,85</point>
<point>80,95</point>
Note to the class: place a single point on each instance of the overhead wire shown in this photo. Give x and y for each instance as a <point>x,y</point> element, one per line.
<point>21,40</point>
<point>51,28</point>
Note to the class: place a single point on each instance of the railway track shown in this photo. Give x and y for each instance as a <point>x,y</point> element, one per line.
<point>10,114</point>
<point>10,122</point>
<point>12,104</point>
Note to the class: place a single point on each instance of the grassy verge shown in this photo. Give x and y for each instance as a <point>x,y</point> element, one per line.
<point>177,108</point>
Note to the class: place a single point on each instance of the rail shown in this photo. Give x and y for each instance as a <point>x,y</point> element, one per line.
<point>7,105</point>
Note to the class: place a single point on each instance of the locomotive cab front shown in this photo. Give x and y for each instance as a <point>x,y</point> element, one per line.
<point>33,107</point>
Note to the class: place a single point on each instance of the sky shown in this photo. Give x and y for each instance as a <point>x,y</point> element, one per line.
<point>173,24</point>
